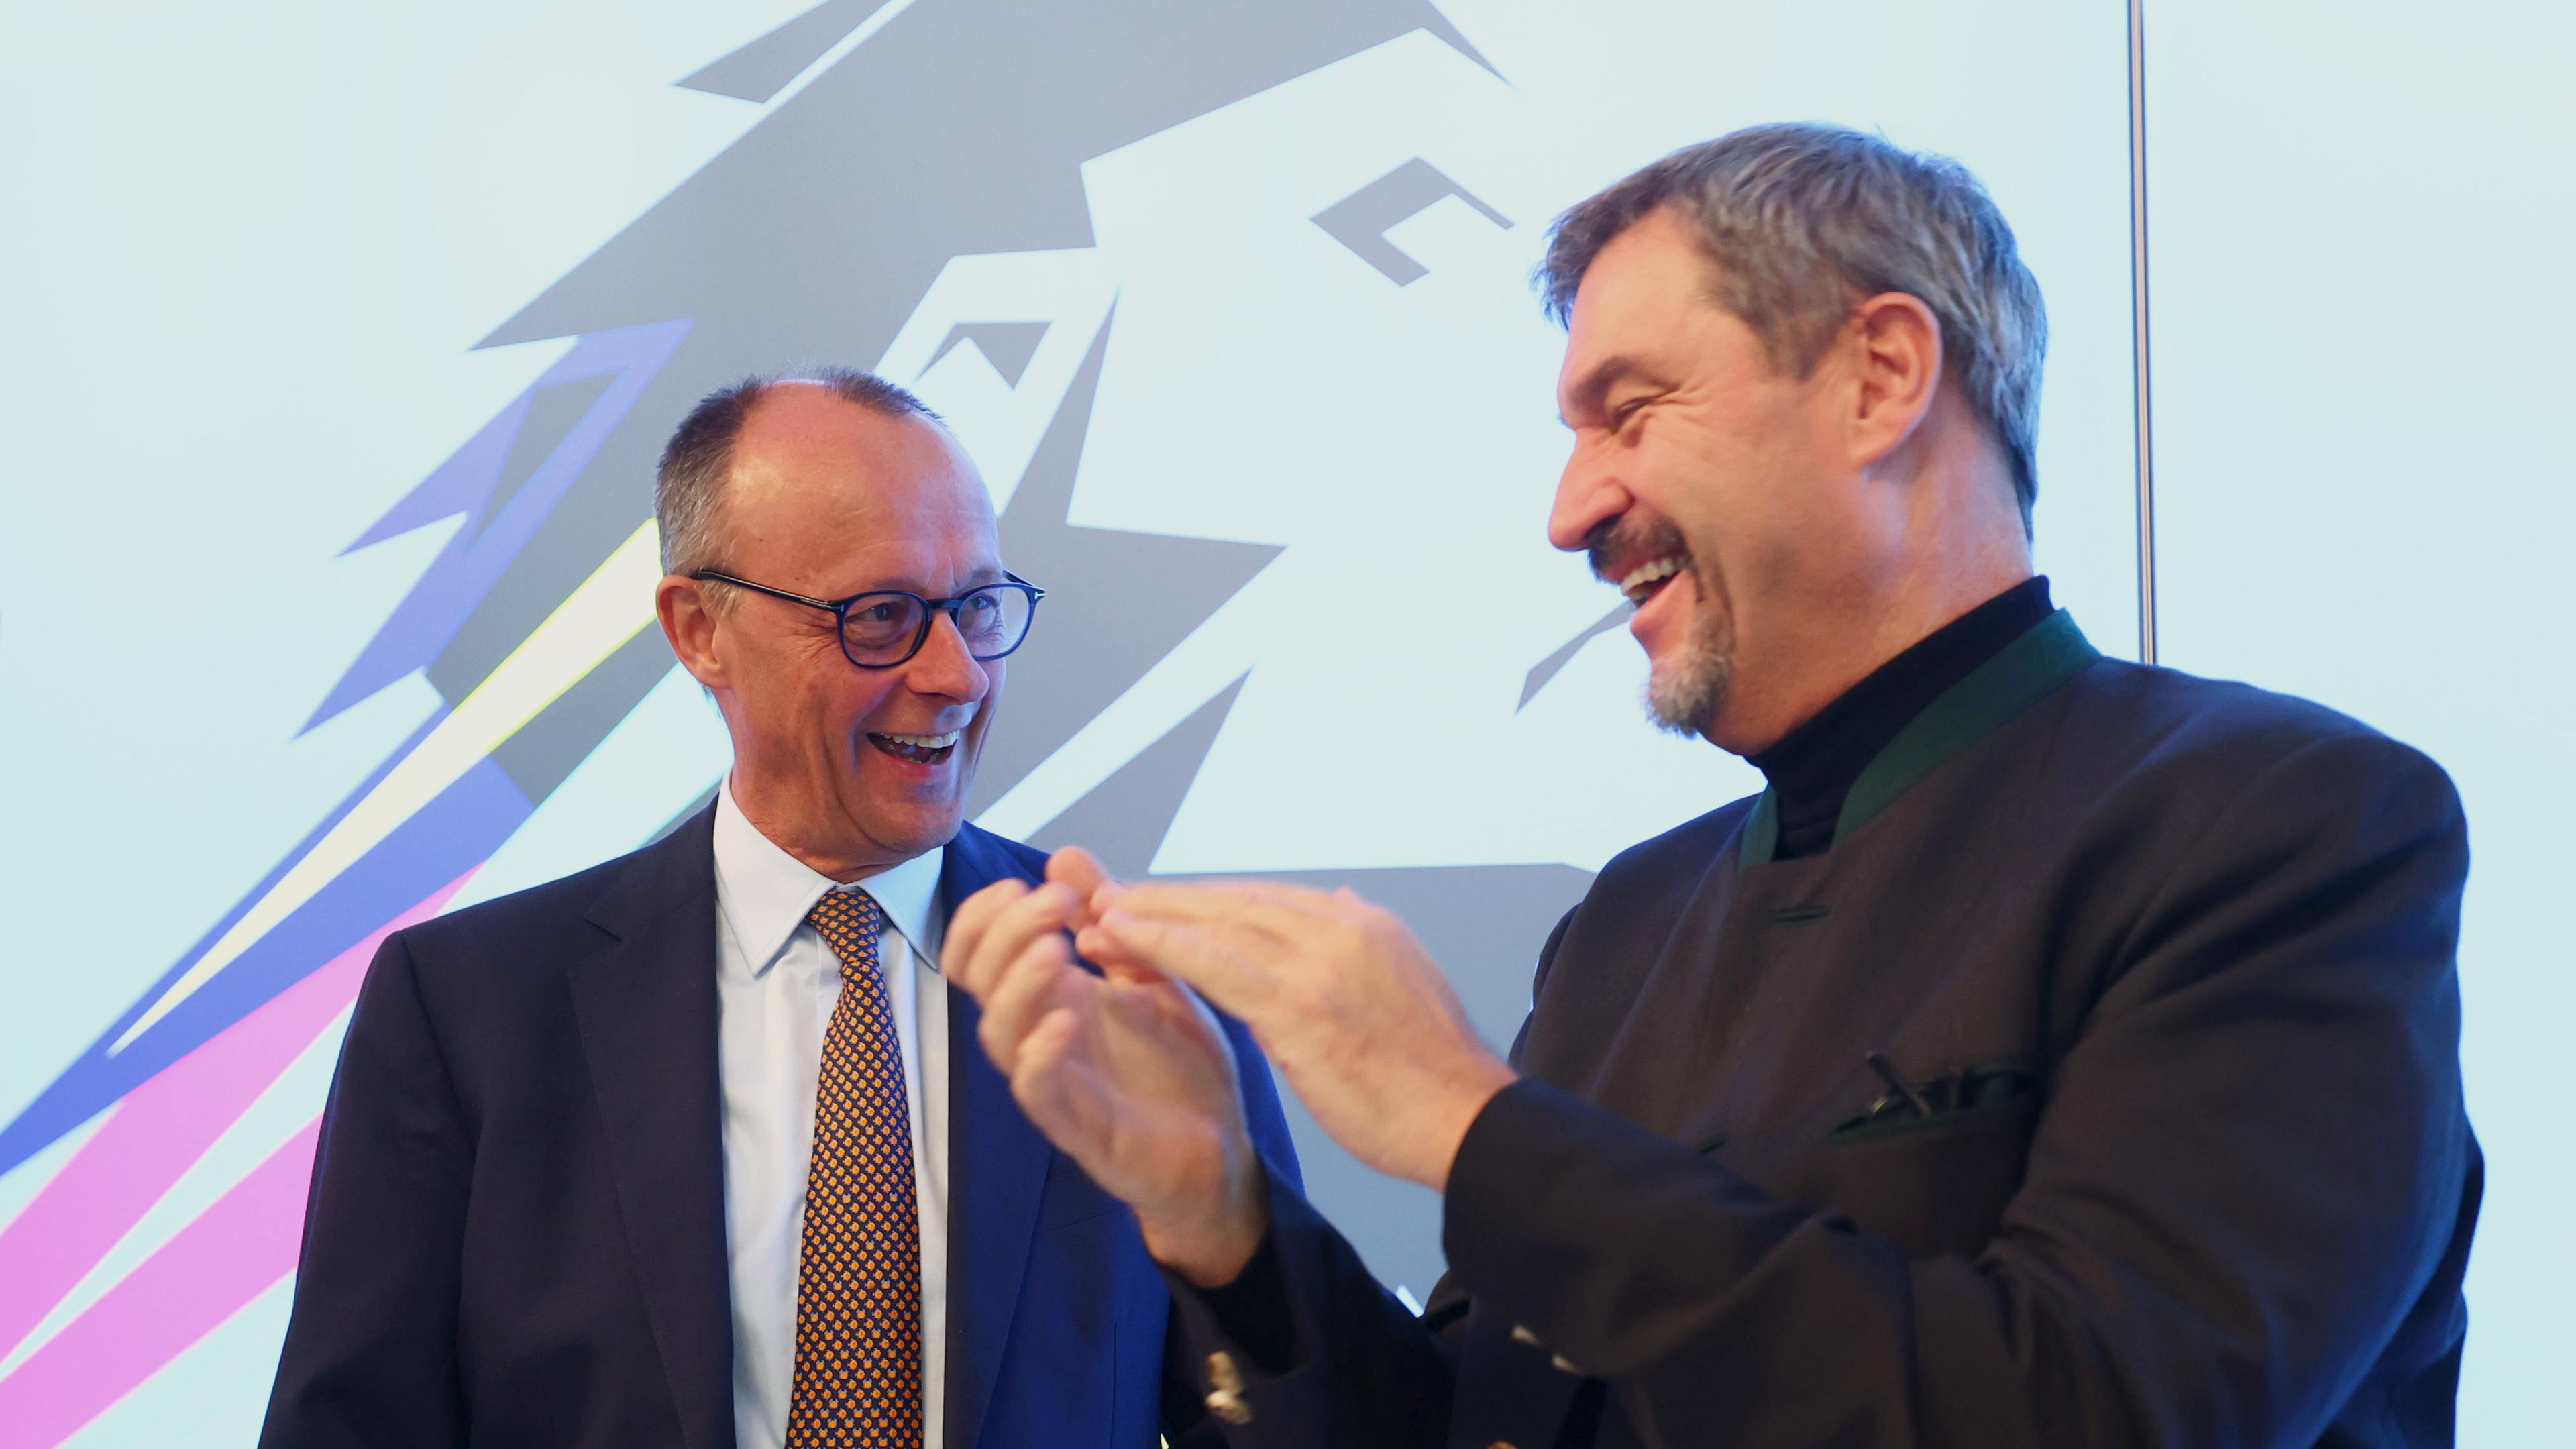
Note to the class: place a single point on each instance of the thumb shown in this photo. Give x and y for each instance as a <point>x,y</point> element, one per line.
<point>1078,868</point>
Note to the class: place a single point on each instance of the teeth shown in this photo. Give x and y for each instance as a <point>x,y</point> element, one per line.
<point>924,742</point>
<point>1634,585</point>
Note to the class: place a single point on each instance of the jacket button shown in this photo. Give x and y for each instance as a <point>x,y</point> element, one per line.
<point>1522,1335</point>
<point>1225,1390</point>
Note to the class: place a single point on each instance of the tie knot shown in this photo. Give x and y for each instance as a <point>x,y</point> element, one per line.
<point>848,922</point>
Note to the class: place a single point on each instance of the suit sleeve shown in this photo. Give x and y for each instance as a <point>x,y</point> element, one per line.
<point>2251,1160</point>
<point>370,1355</point>
<point>1327,1356</point>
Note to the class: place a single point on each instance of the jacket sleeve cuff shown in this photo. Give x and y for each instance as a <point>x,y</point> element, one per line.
<point>1534,1194</point>
<point>1251,1312</point>
<point>1485,1210</point>
<point>1247,1346</point>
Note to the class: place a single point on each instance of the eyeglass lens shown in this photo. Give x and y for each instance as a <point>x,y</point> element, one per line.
<point>882,628</point>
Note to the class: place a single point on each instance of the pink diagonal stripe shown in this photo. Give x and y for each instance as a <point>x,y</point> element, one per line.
<point>232,1253</point>
<point>163,1126</point>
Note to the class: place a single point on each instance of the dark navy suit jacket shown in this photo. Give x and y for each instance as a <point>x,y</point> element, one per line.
<point>516,1234</point>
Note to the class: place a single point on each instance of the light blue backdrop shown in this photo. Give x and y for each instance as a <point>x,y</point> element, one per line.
<point>258,249</point>
<point>2366,453</point>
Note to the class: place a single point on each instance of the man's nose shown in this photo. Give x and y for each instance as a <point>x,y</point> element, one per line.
<point>1587,494</point>
<point>944,667</point>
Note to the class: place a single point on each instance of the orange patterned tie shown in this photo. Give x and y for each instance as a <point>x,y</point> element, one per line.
<point>858,1284</point>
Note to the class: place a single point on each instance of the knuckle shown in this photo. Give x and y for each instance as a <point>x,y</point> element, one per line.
<point>1044,907</point>
<point>1032,966</point>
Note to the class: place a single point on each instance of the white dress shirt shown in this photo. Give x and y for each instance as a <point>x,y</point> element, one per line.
<point>776,982</point>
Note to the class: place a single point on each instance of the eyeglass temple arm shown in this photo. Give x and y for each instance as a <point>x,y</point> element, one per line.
<point>721,577</point>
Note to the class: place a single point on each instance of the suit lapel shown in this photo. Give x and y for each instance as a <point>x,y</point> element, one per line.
<point>646,1005</point>
<point>997,1165</point>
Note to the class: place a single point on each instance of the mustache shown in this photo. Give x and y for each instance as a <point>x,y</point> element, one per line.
<point>1628,538</point>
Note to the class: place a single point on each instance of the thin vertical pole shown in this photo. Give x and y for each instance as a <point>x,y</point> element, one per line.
<point>2142,374</point>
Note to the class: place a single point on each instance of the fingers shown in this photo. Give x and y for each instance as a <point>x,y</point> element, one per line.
<point>993,926</point>
<point>1284,912</point>
<point>1061,1096</point>
<point>1131,973</point>
<point>1169,1011</point>
<point>1233,942</point>
<point>966,927</point>
<point>1007,948</point>
<point>1042,980</point>
<point>1114,957</point>
<point>1207,956</point>
<point>1076,867</point>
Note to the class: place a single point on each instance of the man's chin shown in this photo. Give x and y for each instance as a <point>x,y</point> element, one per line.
<point>907,807</point>
<point>915,833</point>
<point>1682,697</point>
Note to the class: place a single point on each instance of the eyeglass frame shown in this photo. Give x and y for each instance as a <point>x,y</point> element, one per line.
<point>931,609</point>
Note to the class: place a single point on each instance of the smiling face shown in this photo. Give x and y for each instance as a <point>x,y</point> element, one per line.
<point>1710,488</point>
<point>851,770</point>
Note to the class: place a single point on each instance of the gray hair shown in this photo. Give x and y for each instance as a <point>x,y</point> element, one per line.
<point>688,488</point>
<point>1802,222</point>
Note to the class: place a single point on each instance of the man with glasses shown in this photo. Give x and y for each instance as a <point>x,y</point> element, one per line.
<point>698,1147</point>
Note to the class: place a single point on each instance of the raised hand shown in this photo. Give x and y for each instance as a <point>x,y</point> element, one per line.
<point>1344,999</point>
<point>1127,1071</point>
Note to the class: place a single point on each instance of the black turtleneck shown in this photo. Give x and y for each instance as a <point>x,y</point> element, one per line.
<point>1812,768</point>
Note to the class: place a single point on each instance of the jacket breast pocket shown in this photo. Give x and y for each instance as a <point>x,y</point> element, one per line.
<point>1931,1185</point>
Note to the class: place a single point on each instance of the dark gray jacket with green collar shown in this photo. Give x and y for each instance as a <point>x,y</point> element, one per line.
<point>2164,1143</point>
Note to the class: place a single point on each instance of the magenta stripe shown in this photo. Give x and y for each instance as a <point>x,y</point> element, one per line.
<point>230,1254</point>
<point>162,1127</point>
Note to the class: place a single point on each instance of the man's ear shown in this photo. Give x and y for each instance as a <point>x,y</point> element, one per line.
<point>1896,360</point>
<point>689,622</point>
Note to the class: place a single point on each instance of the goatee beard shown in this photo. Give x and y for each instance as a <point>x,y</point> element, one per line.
<point>1685,694</point>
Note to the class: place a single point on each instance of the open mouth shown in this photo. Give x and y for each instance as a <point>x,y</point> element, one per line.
<point>1648,579</point>
<point>917,749</point>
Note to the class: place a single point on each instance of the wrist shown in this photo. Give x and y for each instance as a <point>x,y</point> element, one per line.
<point>1210,1249</point>
<point>1445,1128</point>
<point>1209,1232</point>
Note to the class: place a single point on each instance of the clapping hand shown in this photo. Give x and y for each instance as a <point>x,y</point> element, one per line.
<point>1126,1071</point>
<point>1350,1008</point>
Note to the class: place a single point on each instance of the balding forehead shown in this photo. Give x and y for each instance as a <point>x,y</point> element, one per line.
<point>812,419</point>
<point>812,454</point>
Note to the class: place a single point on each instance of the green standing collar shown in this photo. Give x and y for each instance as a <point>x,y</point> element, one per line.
<point>2027,670</point>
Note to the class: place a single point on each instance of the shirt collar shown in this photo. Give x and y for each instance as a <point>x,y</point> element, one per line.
<point>765,892</point>
<point>1812,768</point>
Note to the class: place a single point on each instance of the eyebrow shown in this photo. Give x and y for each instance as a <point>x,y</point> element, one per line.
<point>1597,381</point>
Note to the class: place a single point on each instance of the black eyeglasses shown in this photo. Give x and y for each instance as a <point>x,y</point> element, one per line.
<point>884,627</point>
